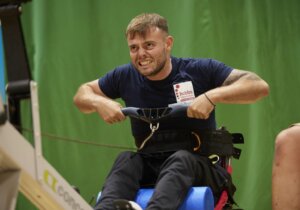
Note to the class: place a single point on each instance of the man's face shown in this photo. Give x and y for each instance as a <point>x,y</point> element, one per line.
<point>150,53</point>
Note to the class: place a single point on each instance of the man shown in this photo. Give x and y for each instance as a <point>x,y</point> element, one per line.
<point>286,170</point>
<point>156,79</point>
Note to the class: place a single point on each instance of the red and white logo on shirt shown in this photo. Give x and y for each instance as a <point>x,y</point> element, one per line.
<point>184,92</point>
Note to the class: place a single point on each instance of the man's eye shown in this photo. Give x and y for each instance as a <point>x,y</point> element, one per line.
<point>133,49</point>
<point>150,45</point>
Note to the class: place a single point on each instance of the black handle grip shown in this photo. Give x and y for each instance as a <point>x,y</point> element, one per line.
<point>178,110</point>
<point>130,111</point>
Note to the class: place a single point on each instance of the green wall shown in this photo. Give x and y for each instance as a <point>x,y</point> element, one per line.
<point>71,42</point>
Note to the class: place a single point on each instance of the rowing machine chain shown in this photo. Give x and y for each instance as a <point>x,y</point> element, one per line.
<point>153,128</point>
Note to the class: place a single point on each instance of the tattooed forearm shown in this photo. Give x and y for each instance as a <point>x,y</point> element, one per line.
<point>239,74</point>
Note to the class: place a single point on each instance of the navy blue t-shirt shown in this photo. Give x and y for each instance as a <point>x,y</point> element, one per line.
<point>137,91</point>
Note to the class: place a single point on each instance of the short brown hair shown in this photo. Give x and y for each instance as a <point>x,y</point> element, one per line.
<point>143,22</point>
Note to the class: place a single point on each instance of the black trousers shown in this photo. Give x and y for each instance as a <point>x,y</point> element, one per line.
<point>172,175</point>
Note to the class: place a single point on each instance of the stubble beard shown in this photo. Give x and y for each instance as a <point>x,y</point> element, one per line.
<point>157,70</point>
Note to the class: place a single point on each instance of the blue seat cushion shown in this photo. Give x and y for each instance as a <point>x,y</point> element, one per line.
<point>198,198</point>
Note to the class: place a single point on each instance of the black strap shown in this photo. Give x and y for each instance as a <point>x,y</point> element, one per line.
<point>219,142</point>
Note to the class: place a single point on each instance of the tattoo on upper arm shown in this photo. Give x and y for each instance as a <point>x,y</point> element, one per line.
<point>235,75</point>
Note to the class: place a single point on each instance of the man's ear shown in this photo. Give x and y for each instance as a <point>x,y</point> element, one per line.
<point>169,42</point>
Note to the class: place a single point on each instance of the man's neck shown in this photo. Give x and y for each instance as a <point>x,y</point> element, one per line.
<point>164,73</point>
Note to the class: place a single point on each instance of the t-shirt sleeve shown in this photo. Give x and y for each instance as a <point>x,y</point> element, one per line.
<point>218,72</point>
<point>110,83</point>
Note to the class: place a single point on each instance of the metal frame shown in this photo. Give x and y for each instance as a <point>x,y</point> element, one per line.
<point>23,168</point>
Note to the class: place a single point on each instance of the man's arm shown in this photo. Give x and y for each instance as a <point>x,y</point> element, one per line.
<point>240,87</point>
<point>89,98</point>
<point>286,169</point>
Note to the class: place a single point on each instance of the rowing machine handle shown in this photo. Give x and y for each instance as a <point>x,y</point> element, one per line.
<point>156,114</point>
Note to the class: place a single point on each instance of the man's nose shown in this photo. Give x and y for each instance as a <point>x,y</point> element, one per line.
<point>141,51</point>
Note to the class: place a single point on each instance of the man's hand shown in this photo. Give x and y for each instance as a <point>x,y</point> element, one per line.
<point>110,111</point>
<point>89,98</point>
<point>200,108</point>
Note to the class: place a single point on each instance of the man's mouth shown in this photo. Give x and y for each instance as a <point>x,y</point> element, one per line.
<point>144,63</point>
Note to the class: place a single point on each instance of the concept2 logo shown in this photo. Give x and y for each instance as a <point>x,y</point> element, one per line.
<point>53,183</point>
